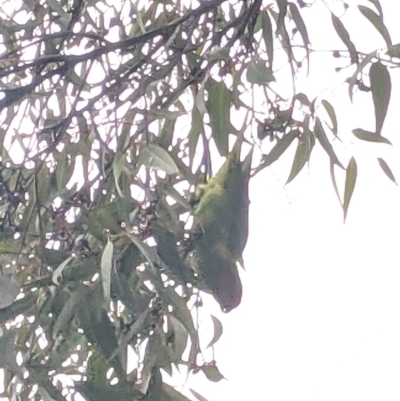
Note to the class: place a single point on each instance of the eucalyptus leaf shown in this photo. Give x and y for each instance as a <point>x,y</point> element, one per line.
<point>158,158</point>
<point>219,106</point>
<point>381,88</point>
<point>386,169</point>
<point>106,266</point>
<point>369,136</point>
<point>345,37</point>
<point>351,178</point>
<point>259,73</point>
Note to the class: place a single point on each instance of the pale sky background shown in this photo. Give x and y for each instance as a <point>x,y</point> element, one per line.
<point>320,316</point>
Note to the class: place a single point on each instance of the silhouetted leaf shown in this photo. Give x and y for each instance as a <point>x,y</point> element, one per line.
<point>158,158</point>
<point>106,266</point>
<point>386,169</point>
<point>345,37</point>
<point>301,26</point>
<point>381,88</point>
<point>267,36</point>
<point>302,155</point>
<point>280,147</point>
<point>219,106</point>
<point>324,141</point>
<point>258,73</point>
<point>212,373</point>
<point>351,178</point>
<point>218,330</point>
<point>332,115</point>
<point>377,21</point>
<point>369,136</point>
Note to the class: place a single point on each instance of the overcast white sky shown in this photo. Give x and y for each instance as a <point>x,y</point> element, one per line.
<point>320,316</point>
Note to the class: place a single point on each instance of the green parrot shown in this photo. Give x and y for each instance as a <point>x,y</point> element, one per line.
<point>222,218</point>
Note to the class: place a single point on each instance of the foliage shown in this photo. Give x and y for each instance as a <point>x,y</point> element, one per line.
<point>110,112</point>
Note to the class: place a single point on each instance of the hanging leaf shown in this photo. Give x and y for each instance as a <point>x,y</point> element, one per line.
<point>258,73</point>
<point>195,131</point>
<point>332,115</point>
<point>106,266</point>
<point>381,88</point>
<point>158,158</point>
<point>351,177</point>
<point>57,274</point>
<point>219,106</point>
<point>386,169</point>
<point>62,171</point>
<point>117,170</point>
<point>302,155</point>
<point>218,330</point>
<point>377,22</point>
<point>278,150</point>
<point>378,7</point>
<point>333,179</point>
<point>369,136</point>
<point>345,38</point>
<point>267,36</point>
<point>282,5</point>
<point>212,373</point>
<point>301,26</point>
<point>323,140</point>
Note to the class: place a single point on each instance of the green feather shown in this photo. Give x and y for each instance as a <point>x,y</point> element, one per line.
<point>222,218</point>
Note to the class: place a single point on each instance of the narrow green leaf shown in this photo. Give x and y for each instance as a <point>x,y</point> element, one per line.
<point>302,155</point>
<point>282,5</point>
<point>301,26</point>
<point>377,22</point>
<point>158,158</point>
<point>117,170</point>
<point>106,266</point>
<point>333,178</point>
<point>369,136</point>
<point>165,114</point>
<point>323,140</point>
<point>258,73</point>
<point>280,147</point>
<point>351,178</point>
<point>219,106</point>
<point>43,186</point>
<point>195,131</point>
<point>62,170</point>
<point>345,38</point>
<point>381,88</point>
<point>267,36</point>
<point>386,169</point>
<point>57,274</point>
<point>378,7</point>
<point>218,330</point>
<point>332,115</point>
